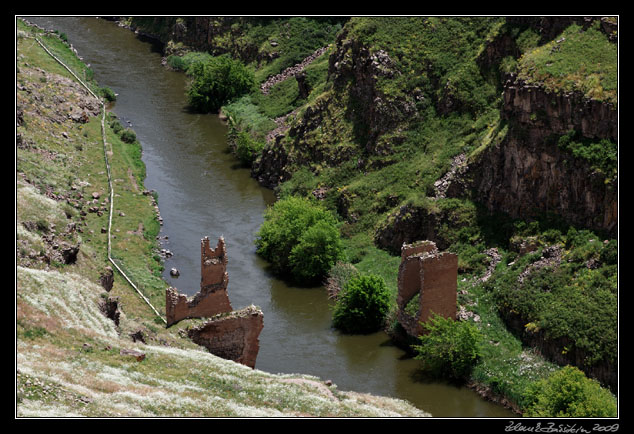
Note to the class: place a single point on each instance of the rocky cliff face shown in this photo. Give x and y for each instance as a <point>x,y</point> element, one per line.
<point>357,69</point>
<point>344,123</point>
<point>528,173</point>
<point>544,113</point>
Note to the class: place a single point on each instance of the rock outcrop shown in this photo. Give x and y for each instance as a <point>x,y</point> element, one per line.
<point>355,69</point>
<point>528,173</point>
<point>545,113</point>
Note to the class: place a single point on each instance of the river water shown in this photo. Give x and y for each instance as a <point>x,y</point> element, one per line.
<point>202,192</point>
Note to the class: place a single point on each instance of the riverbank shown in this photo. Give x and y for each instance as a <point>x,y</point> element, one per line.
<point>71,359</point>
<point>358,144</point>
<point>373,257</point>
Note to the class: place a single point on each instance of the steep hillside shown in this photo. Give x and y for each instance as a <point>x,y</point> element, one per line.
<point>87,344</point>
<point>495,138</point>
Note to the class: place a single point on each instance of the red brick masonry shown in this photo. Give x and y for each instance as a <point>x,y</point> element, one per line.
<point>431,275</point>
<point>212,298</point>
<point>232,335</point>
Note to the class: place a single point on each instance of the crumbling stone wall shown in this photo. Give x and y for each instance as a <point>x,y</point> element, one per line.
<point>430,275</point>
<point>233,336</point>
<point>212,298</point>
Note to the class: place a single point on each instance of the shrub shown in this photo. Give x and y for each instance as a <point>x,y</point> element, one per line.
<point>317,250</point>
<point>569,393</point>
<point>216,81</point>
<point>601,155</point>
<point>247,148</point>
<point>128,136</point>
<point>108,94</point>
<point>176,62</point>
<point>449,348</point>
<point>299,238</point>
<point>338,277</point>
<point>362,305</point>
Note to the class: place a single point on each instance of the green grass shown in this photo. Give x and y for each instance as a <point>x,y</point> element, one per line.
<point>578,60</point>
<point>78,167</point>
<point>429,50</point>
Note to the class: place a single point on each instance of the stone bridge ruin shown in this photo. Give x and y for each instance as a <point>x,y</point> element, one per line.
<point>427,282</point>
<point>227,333</point>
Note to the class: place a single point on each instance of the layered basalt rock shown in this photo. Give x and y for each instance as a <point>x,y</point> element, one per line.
<point>545,113</point>
<point>431,276</point>
<point>528,173</point>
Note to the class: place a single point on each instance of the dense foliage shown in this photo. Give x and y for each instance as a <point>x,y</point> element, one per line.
<point>217,81</point>
<point>361,305</point>
<point>569,393</point>
<point>300,239</point>
<point>247,148</point>
<point>449,348</point>
<point>575,300</point>
<point>601,154</point>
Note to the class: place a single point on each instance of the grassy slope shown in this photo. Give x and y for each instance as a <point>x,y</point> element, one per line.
<point>68,354</point>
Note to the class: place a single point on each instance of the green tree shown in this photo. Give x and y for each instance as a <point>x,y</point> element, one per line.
<point>216,81</point>
<point>448,348</point>
<point>569,393</point>
<point>299,238</point>
<point>361,305</point>
<point>317,250</point>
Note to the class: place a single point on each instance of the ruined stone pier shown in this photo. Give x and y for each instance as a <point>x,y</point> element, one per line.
<point>233,335</point>
<point>429,279</point>
<point>212,298</point>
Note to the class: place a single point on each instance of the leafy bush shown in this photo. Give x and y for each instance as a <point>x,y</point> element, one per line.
<point>247,148</point>
<point>575,302</point>
<point>601,155</point>
<point>108,94</point>
<point>362,305</point>
<point>569,393</point>
<point>128,135</point>
<point>316,251</point>
<point>299,238</point>
<point>217,81</point>
<point>449,348</point>
<point>182,63</point>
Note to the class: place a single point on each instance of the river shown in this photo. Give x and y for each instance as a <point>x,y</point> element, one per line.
<point>202,192</point>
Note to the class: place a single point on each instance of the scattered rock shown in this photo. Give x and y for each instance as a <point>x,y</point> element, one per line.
<point>174,272</point>
<point>291,71</point>
<point>138,336</point>
<point>464,315</point>
<point>138,355</point>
